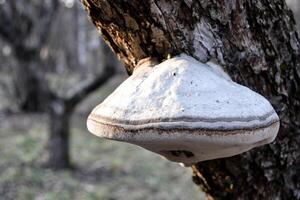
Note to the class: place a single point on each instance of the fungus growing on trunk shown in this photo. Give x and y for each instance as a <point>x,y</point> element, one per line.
<point>186,111</point>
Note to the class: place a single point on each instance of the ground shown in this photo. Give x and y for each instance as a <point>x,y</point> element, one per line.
<point>103,169</point>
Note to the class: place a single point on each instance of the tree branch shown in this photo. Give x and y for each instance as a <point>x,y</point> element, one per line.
<point>16,26</point>
<point>50,14</point>
<point>10,28</point>
<point>84,88</point>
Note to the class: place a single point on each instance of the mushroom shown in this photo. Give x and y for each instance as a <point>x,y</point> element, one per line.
<point>186,111</point>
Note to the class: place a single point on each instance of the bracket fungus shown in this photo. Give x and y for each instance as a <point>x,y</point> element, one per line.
<point>186,111</point>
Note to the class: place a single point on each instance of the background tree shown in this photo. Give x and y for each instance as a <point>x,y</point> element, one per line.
<point>27,29</point>
<point>19,28</point>
<point>257,44</point>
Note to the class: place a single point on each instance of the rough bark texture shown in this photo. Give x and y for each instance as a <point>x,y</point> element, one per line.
<point>256,43</point>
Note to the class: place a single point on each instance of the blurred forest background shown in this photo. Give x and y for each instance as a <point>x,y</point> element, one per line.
<point>54,69</point>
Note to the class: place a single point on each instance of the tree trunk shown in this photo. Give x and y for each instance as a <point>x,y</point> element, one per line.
<point>61,108</point>
<point>32,92</point>
<point>59,126</point>
<point>257,44</point>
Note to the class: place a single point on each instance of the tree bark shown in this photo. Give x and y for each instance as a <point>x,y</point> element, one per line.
<point>256,43</point>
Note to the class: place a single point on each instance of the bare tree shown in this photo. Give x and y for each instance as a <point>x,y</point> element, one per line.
<point>60,111</point>
<point>257,44</point>
<point>17,24</point>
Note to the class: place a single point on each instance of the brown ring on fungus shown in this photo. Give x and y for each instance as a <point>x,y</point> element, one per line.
<point>186,111</point>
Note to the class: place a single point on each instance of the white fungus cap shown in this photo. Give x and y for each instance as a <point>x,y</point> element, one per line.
<point>186,111</point>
